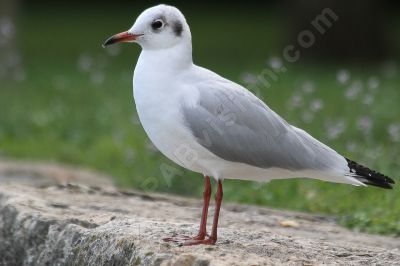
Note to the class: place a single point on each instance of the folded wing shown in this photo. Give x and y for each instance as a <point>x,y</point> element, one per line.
<point>235,125</point>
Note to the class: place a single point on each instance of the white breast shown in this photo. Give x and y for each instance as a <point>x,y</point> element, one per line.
<point>158,101</point>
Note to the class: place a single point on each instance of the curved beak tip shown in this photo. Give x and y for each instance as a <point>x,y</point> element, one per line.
<point>121,37</point>
<point>105,44</point>
<point>111,40</point>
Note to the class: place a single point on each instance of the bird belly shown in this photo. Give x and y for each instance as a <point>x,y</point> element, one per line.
<point>160,117</point>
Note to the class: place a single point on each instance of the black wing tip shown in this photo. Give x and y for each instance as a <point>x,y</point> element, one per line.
<point>368,176</point>
<point>380,185</point>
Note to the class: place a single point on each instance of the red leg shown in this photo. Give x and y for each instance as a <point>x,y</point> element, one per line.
<point>213,238</point>
<point>203,222</point>
<point>206,202</point>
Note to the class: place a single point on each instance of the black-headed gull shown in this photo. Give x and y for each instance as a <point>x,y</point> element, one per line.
<point>215,127</point>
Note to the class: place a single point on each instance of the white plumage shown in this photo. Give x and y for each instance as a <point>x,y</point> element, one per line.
<point>214,126</point>
<point>170,93</point>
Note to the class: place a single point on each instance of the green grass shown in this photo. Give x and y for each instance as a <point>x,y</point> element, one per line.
<point>59,112</point>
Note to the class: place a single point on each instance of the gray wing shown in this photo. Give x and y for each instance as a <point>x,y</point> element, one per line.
<point>236,126</point>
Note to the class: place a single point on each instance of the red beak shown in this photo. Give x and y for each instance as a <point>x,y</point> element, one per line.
<point>121,37</point>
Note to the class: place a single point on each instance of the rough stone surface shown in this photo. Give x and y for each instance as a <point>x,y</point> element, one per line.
<point>47,173</point>
<point>91,225</point>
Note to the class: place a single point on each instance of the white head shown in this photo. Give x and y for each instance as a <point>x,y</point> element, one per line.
<point>159,27</point>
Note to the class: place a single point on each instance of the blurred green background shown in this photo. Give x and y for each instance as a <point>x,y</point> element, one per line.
<point>64,98</point>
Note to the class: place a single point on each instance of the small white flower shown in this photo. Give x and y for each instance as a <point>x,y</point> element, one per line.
<point>394,132</point>
<point>85,63</point>
<point>354,90</point>
<point>373,83</point>
<point>275,62</point>
<point>296,100</point>
<point>365,124</point>
<point>248,78</point>
<point>308,87</point>
<point>316,105</point>
<point>343,76</point>
<point>7,29</point>
<point>335,128</point>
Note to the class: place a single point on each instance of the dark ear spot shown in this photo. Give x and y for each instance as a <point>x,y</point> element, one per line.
<point>178,28</point>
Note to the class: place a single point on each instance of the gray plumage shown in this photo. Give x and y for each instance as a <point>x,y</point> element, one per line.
<point>236,126</point>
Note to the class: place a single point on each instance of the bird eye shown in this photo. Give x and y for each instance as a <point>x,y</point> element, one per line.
<point>157,24</point>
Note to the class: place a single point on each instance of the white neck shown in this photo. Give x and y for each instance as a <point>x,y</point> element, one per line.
<point>170,59</point>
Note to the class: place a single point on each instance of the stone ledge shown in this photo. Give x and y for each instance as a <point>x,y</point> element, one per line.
<point>83,225</point>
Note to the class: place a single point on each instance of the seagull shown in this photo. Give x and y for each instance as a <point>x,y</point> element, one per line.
<point>215,127</point>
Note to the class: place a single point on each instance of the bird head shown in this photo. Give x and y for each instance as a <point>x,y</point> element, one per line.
<point>159,27</point>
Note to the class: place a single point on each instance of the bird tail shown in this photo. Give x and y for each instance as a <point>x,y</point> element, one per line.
<point>368,176</point>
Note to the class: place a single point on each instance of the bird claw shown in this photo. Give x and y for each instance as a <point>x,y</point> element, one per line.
<point>193,242</point>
